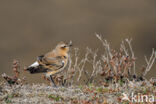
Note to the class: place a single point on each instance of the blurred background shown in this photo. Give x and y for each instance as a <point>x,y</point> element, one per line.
<point>29,28</point>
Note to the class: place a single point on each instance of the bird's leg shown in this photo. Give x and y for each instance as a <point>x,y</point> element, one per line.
<point>50,74</point>
<point>51,78</point>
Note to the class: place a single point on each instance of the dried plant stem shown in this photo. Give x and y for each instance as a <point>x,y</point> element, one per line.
<point>132,53</point>
<point>150,62</point>
<point>83,61</point>
<point>74,69</point>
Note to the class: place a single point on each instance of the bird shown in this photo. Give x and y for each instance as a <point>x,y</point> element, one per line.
<point>52,62</point>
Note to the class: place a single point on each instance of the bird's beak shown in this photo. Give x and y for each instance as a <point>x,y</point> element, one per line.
<point>70,44</point>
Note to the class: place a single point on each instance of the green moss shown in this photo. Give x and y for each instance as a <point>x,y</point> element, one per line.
<point>126,102</point>
<point>8,101</point>
<point>80,87</point>
<point>100,90</point>
<point>55,97</point>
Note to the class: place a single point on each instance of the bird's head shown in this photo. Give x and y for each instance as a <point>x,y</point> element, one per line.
<point>64,47</point>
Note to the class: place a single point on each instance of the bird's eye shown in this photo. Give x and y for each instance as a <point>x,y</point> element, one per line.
<point>64,46</point>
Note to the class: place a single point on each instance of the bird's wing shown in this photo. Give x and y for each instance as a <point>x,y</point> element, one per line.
<point>53,63</point>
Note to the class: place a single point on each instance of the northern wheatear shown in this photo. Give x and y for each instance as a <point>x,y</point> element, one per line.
<point>53,62</point>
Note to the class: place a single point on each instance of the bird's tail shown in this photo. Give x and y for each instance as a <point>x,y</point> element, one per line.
<point>36,68</point>
<point>35,64</point>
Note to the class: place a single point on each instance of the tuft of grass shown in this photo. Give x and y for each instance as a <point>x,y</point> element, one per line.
<point>55,97</point>
<point>100,90</point>
<point>8,101</point>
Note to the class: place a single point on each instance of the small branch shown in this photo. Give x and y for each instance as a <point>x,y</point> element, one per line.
<point>150,62</point>
<point>124,48</point>
<point>75,64</point>
<point>83,65</point>
<point>96,66</point>
<point>132,53</point>
<point>13,79</point>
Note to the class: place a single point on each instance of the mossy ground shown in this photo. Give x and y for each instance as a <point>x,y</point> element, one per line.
<point>91,94</point>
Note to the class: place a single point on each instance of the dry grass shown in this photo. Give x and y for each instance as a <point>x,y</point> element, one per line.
<point>113,73</point>
<point>91,94</point>
<point>113,65</point>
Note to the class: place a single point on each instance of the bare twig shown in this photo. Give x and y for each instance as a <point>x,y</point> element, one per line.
<point>83,65</point>
<point>74,69</point>
<point>132,53</point>
<point>13,79</point>
<point>150,62</point>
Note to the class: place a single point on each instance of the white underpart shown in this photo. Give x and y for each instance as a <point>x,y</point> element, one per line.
<point>35,64</point>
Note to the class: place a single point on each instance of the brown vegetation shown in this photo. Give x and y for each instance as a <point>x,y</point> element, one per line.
<point>114,71</point>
